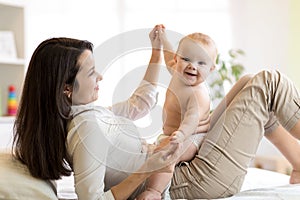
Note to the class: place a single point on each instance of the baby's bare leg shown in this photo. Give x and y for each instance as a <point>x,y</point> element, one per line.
<point>188,153</point>
<point>190,147</point>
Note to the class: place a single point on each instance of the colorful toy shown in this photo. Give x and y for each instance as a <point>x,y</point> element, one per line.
<point>12,101</point>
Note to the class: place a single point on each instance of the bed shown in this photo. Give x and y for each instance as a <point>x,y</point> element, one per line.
<point>258,184</point>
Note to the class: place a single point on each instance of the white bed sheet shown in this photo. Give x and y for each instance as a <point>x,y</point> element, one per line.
<point>258,184</point>
<point>263,184</point>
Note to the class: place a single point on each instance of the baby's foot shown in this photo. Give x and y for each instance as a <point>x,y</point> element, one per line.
<point>295,177</point>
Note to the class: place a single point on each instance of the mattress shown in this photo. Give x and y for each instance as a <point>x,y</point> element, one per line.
<point>258,184</point>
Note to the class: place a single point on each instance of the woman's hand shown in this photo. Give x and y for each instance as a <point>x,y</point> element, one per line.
<point>177,137</point>
<point>155,37</point>
<point>161,160</point>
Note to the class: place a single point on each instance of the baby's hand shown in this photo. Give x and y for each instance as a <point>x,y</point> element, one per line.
<point>155,38</point>
<point>177,137</point>
<point>163,36</point>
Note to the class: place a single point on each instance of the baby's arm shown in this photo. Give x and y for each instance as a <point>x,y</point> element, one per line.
<point>169,53</point>
<point>153,69</point>
<point>197,114</point>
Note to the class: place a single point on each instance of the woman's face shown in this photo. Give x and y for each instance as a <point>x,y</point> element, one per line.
<point>87,78</point>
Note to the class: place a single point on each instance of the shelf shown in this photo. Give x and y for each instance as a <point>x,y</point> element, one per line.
<point>12,69</point>
<point>14,3</point>
<point>9,61</point>
<point>7,119</point>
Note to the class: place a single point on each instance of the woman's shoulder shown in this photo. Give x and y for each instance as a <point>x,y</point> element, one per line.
<point>87,110</point>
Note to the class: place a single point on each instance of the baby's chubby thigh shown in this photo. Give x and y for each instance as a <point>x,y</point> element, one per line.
<point>190,146</point>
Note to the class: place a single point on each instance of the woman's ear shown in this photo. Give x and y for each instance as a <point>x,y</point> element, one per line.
<point>212,68</point>
<point>68,90</point>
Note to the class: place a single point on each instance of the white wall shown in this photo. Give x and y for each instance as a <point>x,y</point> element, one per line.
<point>91,20</point>
<point>263,29</point>
<point>259,27</point>
<point>99,20</point>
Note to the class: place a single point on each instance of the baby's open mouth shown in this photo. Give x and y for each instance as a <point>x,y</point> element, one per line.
<point>190,74</point>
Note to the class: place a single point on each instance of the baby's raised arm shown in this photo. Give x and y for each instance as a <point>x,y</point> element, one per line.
<point>153,69</point>
<point>169,52</point>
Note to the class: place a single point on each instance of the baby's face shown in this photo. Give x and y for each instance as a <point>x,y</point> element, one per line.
<point>193,62</point>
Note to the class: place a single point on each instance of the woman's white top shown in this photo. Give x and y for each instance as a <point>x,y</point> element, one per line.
<point>105,145</point>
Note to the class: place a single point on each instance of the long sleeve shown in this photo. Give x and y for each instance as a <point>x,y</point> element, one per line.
<point>104,151</point>
<point>89,159</point>
<point>139,104</point>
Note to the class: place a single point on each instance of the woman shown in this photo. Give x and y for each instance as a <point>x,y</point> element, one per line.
<point>101,145</point>
<point>61,73</point>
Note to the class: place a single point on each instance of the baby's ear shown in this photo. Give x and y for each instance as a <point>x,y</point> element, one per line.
<point>212,68</point>
<point>175,58</point>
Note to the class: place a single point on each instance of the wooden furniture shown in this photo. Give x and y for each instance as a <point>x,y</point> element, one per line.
<point>12,69</point>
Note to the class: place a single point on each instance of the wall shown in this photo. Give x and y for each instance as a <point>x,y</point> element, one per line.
<point>91,20</point>
<point>266,30</point>
<point>261,29</point>
<point>294,41</point>
<point>269,32</point>
<point>98,21</point>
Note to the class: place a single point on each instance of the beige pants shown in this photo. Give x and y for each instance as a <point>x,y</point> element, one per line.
<point>238,125</point>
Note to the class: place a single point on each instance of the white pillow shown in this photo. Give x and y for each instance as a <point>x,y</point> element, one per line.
<point>17,183</point>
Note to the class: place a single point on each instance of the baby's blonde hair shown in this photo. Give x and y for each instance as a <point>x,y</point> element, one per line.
<point>206,42</point>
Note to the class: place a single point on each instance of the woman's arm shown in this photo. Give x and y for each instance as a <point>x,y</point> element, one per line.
<point>124,189</point>
<point>88,157</point>
<point>160,162</point>
<point>144,97</point>
<point>90,160</point>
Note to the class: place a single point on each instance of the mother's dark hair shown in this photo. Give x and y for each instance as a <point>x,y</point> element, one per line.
<point>41,124</point>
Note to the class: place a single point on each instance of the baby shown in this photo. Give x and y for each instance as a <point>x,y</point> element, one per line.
<point>187,103</point>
